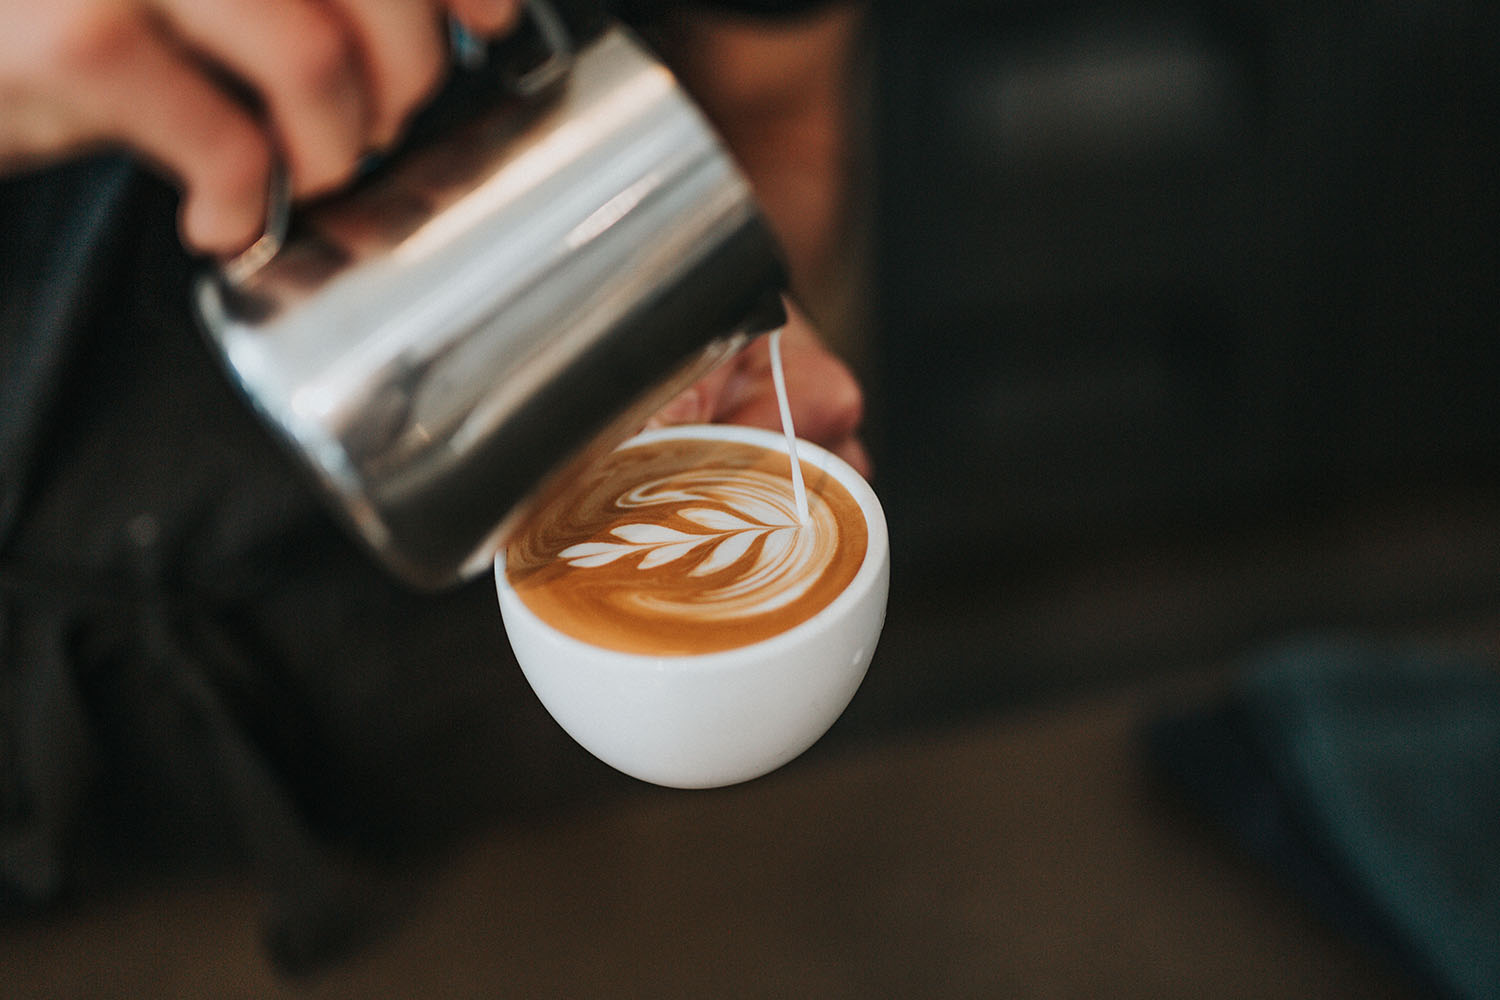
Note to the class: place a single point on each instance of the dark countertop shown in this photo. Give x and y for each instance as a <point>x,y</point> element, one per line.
<point>981,823</point>
<point>1023,853</point>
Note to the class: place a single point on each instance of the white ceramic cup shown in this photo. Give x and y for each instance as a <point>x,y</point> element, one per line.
<point>709,719</point>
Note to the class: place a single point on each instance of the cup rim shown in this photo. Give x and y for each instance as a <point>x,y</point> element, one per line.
<point>870,571</point>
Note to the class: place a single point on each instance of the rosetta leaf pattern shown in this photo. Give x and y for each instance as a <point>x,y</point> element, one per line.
<point>715,520</point>
<point>728,539</point>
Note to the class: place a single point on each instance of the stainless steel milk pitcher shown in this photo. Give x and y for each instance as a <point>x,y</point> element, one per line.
<point>475,319</point>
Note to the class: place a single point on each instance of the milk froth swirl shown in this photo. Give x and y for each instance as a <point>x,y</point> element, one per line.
<point>687,546</point>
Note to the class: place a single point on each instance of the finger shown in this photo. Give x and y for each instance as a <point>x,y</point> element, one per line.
<point>761,410</point>
<point>487,17</point>
<point>687,407</point>
<point>402,55</point>
<point>225,183</point>
<point>825,399</point>
<point>697,403</point>
<point>825,405</point>
<point>301,59</point>
<point>744,398</point>
<point>134,86</point>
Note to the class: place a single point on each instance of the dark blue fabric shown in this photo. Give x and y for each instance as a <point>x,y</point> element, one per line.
<point>1368,775</point>
<point>197,666</point>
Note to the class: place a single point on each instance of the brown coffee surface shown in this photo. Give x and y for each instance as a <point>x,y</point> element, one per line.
<point>687,546</point>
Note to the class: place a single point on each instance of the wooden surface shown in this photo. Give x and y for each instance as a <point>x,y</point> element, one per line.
<point>1024,855</point>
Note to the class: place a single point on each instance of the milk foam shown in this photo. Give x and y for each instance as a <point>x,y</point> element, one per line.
<point>778,378</point>
<point>686,546</point>
<point>740,532</point>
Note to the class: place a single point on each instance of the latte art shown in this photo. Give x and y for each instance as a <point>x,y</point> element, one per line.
<point>687,546</point>
<point>741,534</point>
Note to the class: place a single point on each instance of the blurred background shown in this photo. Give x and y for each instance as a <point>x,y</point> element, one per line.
<point>1179,327</point>
<point>1185,324</point>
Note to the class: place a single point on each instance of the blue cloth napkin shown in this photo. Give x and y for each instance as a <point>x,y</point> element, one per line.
<point>1368,775</point>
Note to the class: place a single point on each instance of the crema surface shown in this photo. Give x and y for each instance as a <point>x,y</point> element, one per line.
<point>687,546</point>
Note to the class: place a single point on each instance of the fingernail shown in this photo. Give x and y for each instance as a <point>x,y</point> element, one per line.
<point>740,389</point>
<point>489,19</point>
<point>685,408</point>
